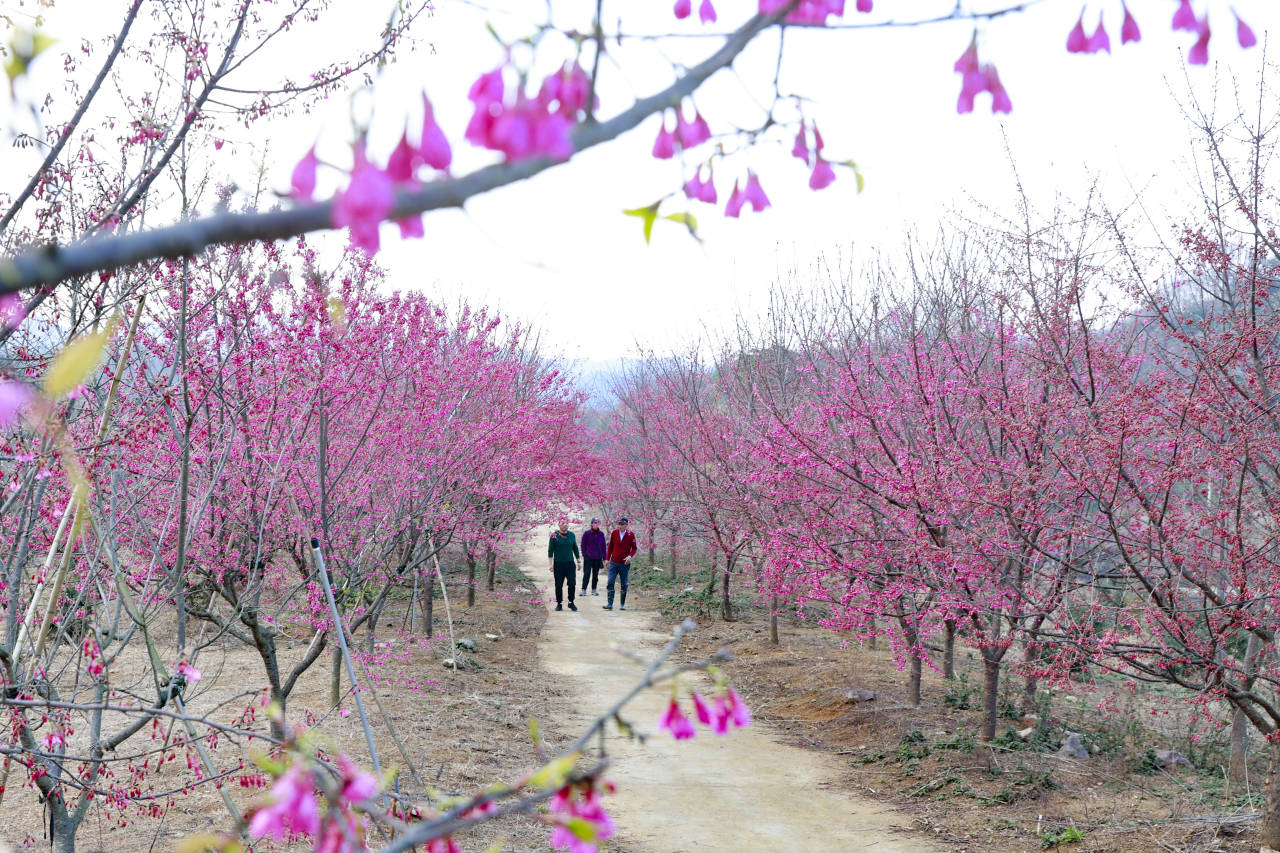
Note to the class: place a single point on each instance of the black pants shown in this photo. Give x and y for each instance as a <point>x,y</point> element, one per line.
<point>618,571</point>
<point>564,572</point>
<point>591,572</point>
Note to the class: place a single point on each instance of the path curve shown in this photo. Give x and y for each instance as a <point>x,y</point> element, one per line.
<point>743,792</point>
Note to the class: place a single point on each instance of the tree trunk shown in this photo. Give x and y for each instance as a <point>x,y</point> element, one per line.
<point>1271,811</point>
<point>949,649</point>
<point>653,546</point>
<point>673,553</point>
<point>914,671</point>
<point>62,829</point>
<point>875,633</point>
<point>491,565</point>
<point>471,579</point>
<point>726,608</point>
<point>773,620</point>
<point>990,696</point>
<point>1238,768</point>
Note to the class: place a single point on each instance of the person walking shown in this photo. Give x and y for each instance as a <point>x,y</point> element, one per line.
<point>563,552</point>
<point>622,547</point>
<point>594,549</point>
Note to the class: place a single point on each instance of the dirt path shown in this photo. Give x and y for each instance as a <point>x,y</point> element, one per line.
<point>744,792</point>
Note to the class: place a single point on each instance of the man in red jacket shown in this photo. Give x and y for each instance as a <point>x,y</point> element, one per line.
<point>622,547</point>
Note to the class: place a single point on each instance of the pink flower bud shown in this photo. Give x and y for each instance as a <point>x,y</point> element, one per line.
<point>754,193</point>
<point>1244,34</point>
<point>303,179</point>
<point>433,147</point>
<point>683,8</point>
<point>674,721</point>
<point>1199,53</point>
<point>1077,41</point>
<point>664,147</point>
<point>1185,17</point>
<point>822,175</point>
<point>1129,29</point>
<point>1099,41</point>
<point>706,12</point>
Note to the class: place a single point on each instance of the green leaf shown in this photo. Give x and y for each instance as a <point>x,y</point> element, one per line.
<point>585,830</point>
<point>533,732</point>
<point>73,364</point>
<point>554,773</point>
<point>688,220</point>
<point>648,214</point>
<point>857,175</point>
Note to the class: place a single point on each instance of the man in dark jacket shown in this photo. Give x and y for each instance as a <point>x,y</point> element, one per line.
<point>593,554</point>
<point>622,547</point>
<point>563,553</point>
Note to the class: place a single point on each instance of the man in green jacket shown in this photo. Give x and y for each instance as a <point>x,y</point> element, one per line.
<point>564,554</point>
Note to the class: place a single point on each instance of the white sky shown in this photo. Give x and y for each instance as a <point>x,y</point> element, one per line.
<point>557,251</point>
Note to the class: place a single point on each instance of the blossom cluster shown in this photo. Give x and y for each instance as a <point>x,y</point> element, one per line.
<point>727,710</point>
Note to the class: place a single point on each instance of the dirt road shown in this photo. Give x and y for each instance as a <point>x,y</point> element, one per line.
<point>743,792</point>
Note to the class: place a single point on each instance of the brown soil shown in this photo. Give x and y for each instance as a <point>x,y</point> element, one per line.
<point>967,795</point>
<point>467,730</point>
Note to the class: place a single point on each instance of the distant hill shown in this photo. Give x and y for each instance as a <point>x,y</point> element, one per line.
<point>596,376</point>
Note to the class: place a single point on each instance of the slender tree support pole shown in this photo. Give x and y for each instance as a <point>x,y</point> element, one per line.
<point>346,653</point>
<point>435,559</point>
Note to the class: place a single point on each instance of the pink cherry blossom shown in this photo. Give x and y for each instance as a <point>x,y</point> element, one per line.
<point>12,310</point>
<point>800,150</point>
<point>189,672</point>
<point>1077,41</point>
<point>738,709</point>
<point>736,199</point>
<point>1244,33</point>
<point>1199,53</point>
<point>303,180</point>
<point>411,227</point>
<point>968,60</point>
<point>1099,41</point>
<point>1000,102</point>
<point>674,721</point>
<point>443,845</point>
<point>1129,29</point>
<point>365,203</point>
<point>1185,17</point>
<point>822,174</point>
<point>664,146</point>
<point>357,785</point>
<point>567,90</point>
<point>699,189</point>
<point>14,398</point>
<point>586,806</point>
<point>292,809</point>
<point>52,741</point>
<point>863,6</point>
<point>691,133</point>
<point>403,161</point>
<point>700,709</point>
<point>706,12</point>
<point>754,193</point>
<point>683,8</point>
<point>433,146</point>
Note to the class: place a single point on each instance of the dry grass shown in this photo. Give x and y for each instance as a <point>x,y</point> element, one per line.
<point>926,760</point>
<point>466,730</point>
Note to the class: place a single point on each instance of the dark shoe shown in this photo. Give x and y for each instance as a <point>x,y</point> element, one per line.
<point>573,607</point>
<point>607,607</point>
<point>584,592</point>
<point>558,607</point>
<point>593,592</point>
